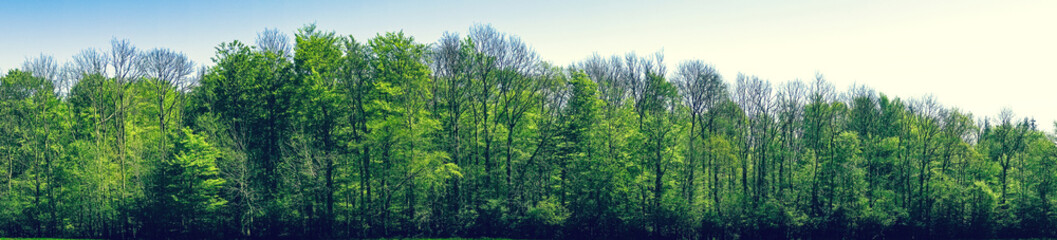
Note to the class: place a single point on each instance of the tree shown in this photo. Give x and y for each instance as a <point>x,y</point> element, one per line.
<point>579,162</point>
<point>756,99</point>
<point>326,136</point>
<point>401,125</point>
<point>451,59</point>
<point>789,111</point>
<point>275,42</point>
<point>123,59</point>
<point>701,89</point>
<point>169,71</point>
<point>33,143</point>
<point>185,190</point>
<point>317,60</point>
<point>658,104</point>
<point>1005,141</point>
<point>245,99</point>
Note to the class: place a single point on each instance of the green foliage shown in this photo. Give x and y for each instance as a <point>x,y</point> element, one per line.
<point>476,137</point>
<point>184,193</point>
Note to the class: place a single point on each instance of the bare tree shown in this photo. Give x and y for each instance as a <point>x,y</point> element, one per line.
<point>450,64</point>
<point>606,72</point>
<point>928,111</point>
<point>755,97</point>
<point>790,113</point>
<point>91,61</point>
<point>169,71</point>
<point>821,91</point>
<point>487,45</point>
<point>68,76</point>
<point>123,59</point>
<point>512,68</point>
<point>633,77</point>
<point>636,75</point>
<point>43,66</point>
<point>700,88</point>
<point>167,67</point>
<point>273,41</point>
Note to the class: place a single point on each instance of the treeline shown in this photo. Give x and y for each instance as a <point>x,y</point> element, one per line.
<point>332,137</point>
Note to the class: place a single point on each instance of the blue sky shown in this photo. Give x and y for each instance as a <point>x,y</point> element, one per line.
<point>978,56</point>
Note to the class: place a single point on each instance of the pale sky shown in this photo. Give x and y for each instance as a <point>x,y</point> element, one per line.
<point>978,56</point>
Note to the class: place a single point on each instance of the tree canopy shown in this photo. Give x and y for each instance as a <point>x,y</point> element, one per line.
<point>326,136</point>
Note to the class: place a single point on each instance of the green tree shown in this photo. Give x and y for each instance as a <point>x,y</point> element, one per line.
<point>400,127</point>
<point>319,115</point>
<point>35,170</point>
<point>184,191</point>
<point>581,167</point>
<point>244,100</point>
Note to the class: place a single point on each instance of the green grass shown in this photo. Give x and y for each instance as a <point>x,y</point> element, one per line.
<point>445,239</point>
<point>3,238</point>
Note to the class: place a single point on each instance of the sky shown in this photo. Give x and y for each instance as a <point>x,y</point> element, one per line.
<point>977,56</point>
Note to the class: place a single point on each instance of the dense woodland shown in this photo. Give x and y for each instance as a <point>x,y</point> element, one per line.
<point>329,136</point>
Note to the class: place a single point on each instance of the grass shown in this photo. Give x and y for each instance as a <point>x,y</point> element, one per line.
<point>3,238</point>
<point>446,239</point>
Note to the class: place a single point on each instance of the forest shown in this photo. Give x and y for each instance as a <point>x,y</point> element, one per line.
<point>325,136</point>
